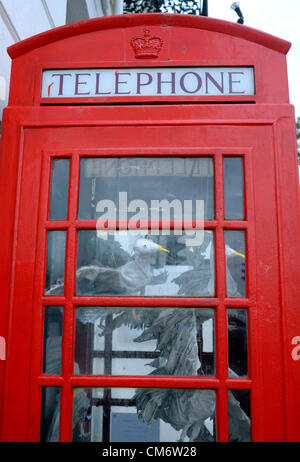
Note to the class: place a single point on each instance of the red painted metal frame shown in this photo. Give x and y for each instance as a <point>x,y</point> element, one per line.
<point>69,301</point>
<point>263,133</point>
<point>188,41</point>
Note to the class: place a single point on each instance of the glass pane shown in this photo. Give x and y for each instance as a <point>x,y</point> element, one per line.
<point>237,342</point>
<point>144,415</point>
<point>59,189</point>
<point>56,252</point>
<point>128,179</point>
<point>239,415</point>
<point>234,188</point>
<point>235,263</point>
<point>144,341</point>
<point>141,263</point>
<point>53,326</point>
<point>50,414</point>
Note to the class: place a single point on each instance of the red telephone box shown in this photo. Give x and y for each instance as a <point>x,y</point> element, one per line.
<point>124,320</point>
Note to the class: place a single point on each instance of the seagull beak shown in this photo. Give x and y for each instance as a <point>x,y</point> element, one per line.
<point>164,250</point>
<point>237,254</point>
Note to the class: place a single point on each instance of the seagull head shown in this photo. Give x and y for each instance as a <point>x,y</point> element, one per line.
<point>229,252</point>
<point>146,247</point>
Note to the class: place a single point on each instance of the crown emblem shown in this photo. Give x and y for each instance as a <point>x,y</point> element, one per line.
<point>146,47</point>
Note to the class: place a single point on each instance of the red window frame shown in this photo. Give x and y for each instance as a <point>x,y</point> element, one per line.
<point>221,383</point>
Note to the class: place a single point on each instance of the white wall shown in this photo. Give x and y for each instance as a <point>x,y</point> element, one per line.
<point>21,19</point>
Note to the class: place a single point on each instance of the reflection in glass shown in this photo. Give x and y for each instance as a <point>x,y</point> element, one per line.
<point>145,179</point>
<point>144,415</point>
<point>141,263</point>
<point>144,341</point>
<point>237,342</point>
<point>239,415</point>
<point>235,263</point>
<point>56,252</point>
<point>59,189</point>
<point>50,414</point>
<point>233,188</point>
<point>53,325</point>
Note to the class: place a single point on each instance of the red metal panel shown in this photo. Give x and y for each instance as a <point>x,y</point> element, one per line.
<point>287,187</point>
<point>188,41</point>
<point>18,363</point>
<point>11,140</point>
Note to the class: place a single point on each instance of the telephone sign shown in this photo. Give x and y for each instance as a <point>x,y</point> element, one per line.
<point>75,83</point>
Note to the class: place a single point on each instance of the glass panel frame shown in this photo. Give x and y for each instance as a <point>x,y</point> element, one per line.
<point>189,416</point>
<point>145,341</point>
<point>56,262</point>
<point>234,202</point>
<point>59,190</point>
<point>50,414</point>
<point>140,263</point>
<point>239,415</point>
<point>73,226</point>
<point>237,337</point>
<point>53,332</point>
<point>126,181</point>
<point>236,262</point>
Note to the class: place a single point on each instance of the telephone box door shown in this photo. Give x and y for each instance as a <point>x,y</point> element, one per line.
<point>104,333</point>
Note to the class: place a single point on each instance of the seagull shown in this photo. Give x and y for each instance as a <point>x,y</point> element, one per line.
<point>128,279</point>
<point>200,280</point>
